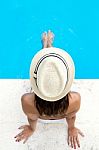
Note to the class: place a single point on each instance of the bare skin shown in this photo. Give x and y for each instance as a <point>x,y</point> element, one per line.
<point>29,108</point>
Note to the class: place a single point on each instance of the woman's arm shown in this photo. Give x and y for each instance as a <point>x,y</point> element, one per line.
<point>73,132</point>
<point>73,139</point>
<point>27,101</point>
<point>28,109</point>
<point>75,103</point>
<point>32,123</point>
<point>71,121</point>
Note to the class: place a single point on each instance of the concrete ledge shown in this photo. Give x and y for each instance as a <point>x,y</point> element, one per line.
<point>12,116</point>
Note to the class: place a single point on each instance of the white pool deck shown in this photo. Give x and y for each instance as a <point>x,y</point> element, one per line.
<point>12,116</point>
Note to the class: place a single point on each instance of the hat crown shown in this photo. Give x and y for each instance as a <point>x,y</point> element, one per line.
<point>51,77</point>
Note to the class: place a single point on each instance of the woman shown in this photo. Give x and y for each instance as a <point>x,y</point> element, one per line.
<point>36,107</point>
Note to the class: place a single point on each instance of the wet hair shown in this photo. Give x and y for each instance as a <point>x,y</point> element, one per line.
<point>52,108</point>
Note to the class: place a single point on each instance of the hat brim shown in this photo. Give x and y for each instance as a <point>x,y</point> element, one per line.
<point>71,71</point>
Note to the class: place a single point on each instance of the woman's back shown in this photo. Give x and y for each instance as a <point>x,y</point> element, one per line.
<point>29,107</point>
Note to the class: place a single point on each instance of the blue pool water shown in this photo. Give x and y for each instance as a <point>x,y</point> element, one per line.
<point>74,23</point>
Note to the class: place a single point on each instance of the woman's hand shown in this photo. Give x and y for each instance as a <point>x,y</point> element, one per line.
<point>73,139</point>
<point>25,134</point>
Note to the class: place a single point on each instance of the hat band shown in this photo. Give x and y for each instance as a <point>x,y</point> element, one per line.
<point>48,55</point>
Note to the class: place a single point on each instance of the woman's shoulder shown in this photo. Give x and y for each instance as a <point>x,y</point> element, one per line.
<point>74,96</point>
<point>27,96</point>
<point>74,101</point>
<point>27,99</point>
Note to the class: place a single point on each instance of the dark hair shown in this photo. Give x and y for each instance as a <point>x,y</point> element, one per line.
<point>52,108</point>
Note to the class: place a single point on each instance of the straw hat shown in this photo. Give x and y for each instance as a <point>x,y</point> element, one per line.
<point>51,73</point>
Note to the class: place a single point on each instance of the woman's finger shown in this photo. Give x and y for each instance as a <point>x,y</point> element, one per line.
<point>77,140</point>
<point>22,127</point>
<point>81,133</point>
<point>71,140</point>
<point>68,140</point>
<point>20,138</point>
<point>25,140</point>
<point>74,142</point>
<point>18,134</point>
